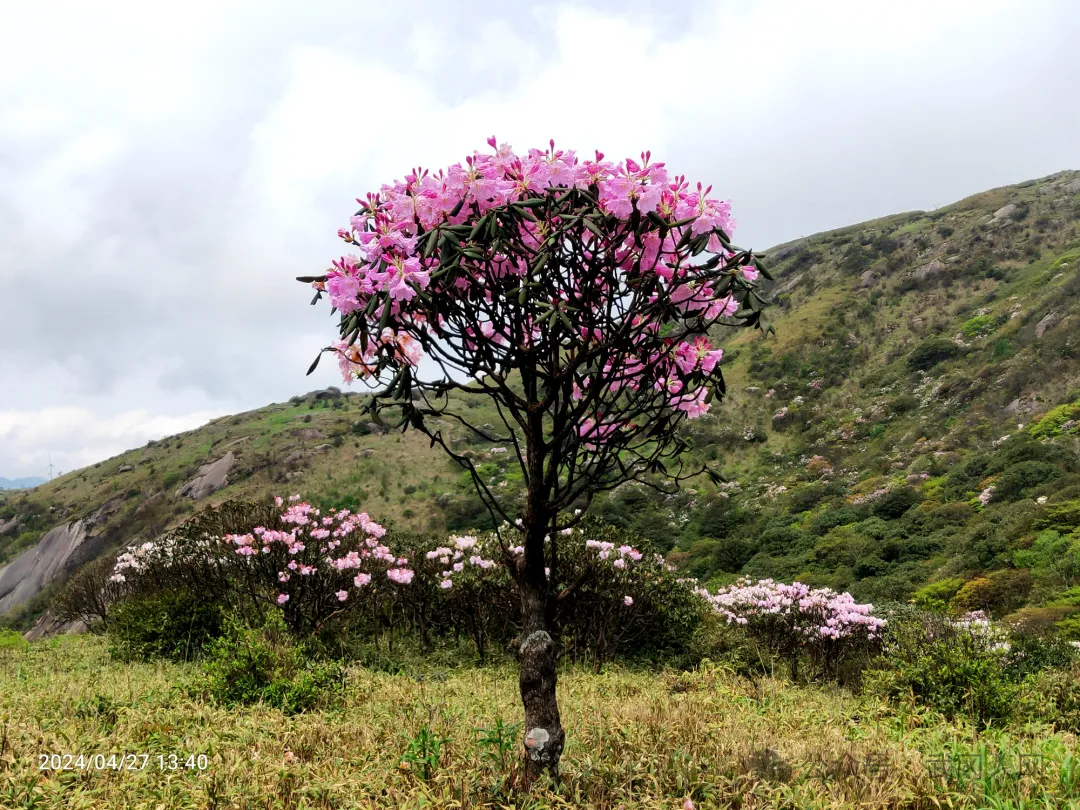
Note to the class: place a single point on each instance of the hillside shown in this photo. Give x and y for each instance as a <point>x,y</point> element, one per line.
<point>856,441</point>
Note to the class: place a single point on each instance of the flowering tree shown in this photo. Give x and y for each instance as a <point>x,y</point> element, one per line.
<point>576,295</point>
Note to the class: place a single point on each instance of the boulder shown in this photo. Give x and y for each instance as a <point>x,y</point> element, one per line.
<point>210,478</point>
<point>930,268</point>
<point>1073,187</point>
<point>294,458</point>
<point>868,278</point>
<point>10,526</point>
<point>1004,211</point>
<point>62,550</point>
<point>48,625</point>
<point>307,433</point>
<point>1049,321</point>
<point>788,284</point>
<point>125,468</point>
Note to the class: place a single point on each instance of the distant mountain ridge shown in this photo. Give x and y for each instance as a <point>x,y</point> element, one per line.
<point>22,483</point>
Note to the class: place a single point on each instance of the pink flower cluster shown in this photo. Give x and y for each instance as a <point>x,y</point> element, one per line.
<point>395,279</point>
<point>455,558</point>
<point>812,612</point>
<point>321,536</point>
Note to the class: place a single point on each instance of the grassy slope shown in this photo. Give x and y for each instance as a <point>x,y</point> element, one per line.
<point>635,740</point>
<point>855,338</point>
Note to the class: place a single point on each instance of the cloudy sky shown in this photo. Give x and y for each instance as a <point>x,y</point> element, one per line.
<point>167,169</point>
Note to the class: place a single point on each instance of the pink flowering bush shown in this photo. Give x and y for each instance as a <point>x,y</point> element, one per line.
<point>311,565</point>
<point>796,620</point>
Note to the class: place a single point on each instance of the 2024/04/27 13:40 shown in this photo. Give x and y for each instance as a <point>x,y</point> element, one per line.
<point>120,762</point>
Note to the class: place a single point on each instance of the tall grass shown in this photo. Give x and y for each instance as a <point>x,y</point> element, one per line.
<point>636,739</point>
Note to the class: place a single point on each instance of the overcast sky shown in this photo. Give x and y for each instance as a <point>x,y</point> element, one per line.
<point>167,169</point>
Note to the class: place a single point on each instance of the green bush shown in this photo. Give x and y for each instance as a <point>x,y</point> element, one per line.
<point>1032,652</point>
<point>9,639</point>
<point>172,624</point>
<point>949,668</point>
<point>997,593</point>
<point>931,352</point>
<point>1052,696</point>
<point>978,325</point>
<point>248,666</point>
<point>935,596</point>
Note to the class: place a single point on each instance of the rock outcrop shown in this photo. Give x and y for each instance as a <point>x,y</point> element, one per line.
<point>62,549</point>
<point>211,478</point>
<point>48,625</point>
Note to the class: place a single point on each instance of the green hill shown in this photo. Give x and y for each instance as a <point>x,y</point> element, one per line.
<point>919,360</point>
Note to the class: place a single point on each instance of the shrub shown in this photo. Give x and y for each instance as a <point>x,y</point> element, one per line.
<point>252,665</point>
<point>1018,479</point>
<point>1052,696</point>
<point>894,503</point>
<point>172,624</point>
<point>88,594</point>
<point>978,325</point>
<point>931,352</point>
<point>795,622</point>
<point>997,593</point>
<point>1033,651</point>
<point>935,596</point>
<point>953,668</point>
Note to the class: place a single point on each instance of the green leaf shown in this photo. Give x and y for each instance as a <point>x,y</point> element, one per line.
<point>310,279</point>
<point>763,269</point>
<point>315,365</point>
<point>592,226</point>
<point>385,319</point>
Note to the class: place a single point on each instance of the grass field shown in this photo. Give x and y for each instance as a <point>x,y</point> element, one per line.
<point>636,739</point>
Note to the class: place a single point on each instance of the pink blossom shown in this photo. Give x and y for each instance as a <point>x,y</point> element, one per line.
<point>282,598</point>
<point>342,595</point>
<point>627,600</point>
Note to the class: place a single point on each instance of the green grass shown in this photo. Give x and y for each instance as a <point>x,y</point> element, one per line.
<point>636,739</point>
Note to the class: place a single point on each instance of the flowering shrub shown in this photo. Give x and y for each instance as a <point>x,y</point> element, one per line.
<point>795,619</point>
<point>309,564</point>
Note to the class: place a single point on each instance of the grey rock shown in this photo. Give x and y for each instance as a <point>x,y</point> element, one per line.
<point>126,468</point>
<point>211,478</point>
<point>48,625</point>
<point>10,526</point>
<point>930,268</point>
<point>1004,211</point>
<point>307,433</point>
<point>789,284</point>
<point>60,551</point>
<point>1073,187</point>
<point>320,448</point>
<point>294,458</point>
<point>365,453</point>
<point>868,278</point>
<point>1049,321</point>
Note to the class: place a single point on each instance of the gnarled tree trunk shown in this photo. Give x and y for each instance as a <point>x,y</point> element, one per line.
<point>544,735</point>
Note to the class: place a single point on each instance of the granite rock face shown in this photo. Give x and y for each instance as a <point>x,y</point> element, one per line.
<point>62,550</point>
<point>210,478</point>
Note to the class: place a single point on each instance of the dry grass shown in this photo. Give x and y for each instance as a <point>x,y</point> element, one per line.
<point>636,740</point>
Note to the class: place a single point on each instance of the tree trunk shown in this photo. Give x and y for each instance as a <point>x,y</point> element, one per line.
<point>544,735</point>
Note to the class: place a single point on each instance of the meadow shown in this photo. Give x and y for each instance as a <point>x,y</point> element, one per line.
<point>425,736</point>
